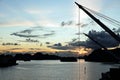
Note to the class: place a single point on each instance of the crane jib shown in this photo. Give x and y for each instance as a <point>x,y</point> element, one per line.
<point>99,23</point>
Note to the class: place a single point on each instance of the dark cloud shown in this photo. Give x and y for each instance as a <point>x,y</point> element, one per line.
<point>83,24</point>
<point>31,33</point>
<point>49,34</point>
<point>34,49</point>
<point>69,23</point>
<point>58,44</point>
<point>47,42</point>
<point>63,23</point>
<point>116,30</point>
<point>102,37</point>
<point>29,40</point>
<point>73,40</point>
<point>25,35</point>
<point>7,44</point>
<point>16,48</point>
<point>60,47</point>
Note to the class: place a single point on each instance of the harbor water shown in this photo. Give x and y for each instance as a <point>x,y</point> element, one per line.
<point>55,70</point>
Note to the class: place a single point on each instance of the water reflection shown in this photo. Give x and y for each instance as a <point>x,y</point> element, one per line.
<point>54,70</point>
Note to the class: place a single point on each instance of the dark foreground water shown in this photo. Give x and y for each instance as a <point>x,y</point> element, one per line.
<point>54,70</point>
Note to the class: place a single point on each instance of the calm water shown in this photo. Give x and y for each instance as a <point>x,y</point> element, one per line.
<point>54,70</point>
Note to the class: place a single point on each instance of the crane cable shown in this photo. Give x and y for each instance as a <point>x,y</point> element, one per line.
<point>103,16</point>
<point>113,21</point>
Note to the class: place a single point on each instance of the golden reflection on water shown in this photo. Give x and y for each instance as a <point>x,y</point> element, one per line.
<point>81,60</point>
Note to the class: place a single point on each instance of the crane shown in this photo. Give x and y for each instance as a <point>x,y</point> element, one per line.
<point>99,22</point>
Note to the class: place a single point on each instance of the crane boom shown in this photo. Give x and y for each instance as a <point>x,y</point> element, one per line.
<point>99,22</point>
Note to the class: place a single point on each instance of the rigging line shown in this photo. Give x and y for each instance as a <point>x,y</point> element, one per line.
<point>104,16</point>
<point>111,22</point>
<point>108,19</point>
<point>97,13</point>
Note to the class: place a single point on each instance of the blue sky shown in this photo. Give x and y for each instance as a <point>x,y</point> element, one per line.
<point>19,15</point>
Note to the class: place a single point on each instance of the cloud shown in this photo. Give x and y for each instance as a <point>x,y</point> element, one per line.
<point>32,29</point>
<point>25,35</point>
<point>103,38</point>
<point>116,30</point>
<point>47,42</point>
<point>29,40</point>
<point>27,31</point>
<point>31,33</point>
<point>82,24</point>
<point>10,44</point>
<point>15,48</point>
<point>34,49</point>
<point>67,23</point>
<point>60,46</point>
<point>100,36</point>
<point>49,34</point>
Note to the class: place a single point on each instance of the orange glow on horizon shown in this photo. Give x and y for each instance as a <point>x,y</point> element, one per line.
<point>34,49</point>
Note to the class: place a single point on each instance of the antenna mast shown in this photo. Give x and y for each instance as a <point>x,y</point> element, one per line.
<point>79,38</point>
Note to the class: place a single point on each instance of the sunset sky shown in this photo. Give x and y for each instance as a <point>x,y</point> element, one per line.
<point>35,25</point>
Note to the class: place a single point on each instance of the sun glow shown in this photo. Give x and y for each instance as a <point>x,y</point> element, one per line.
<point>83,50</point>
